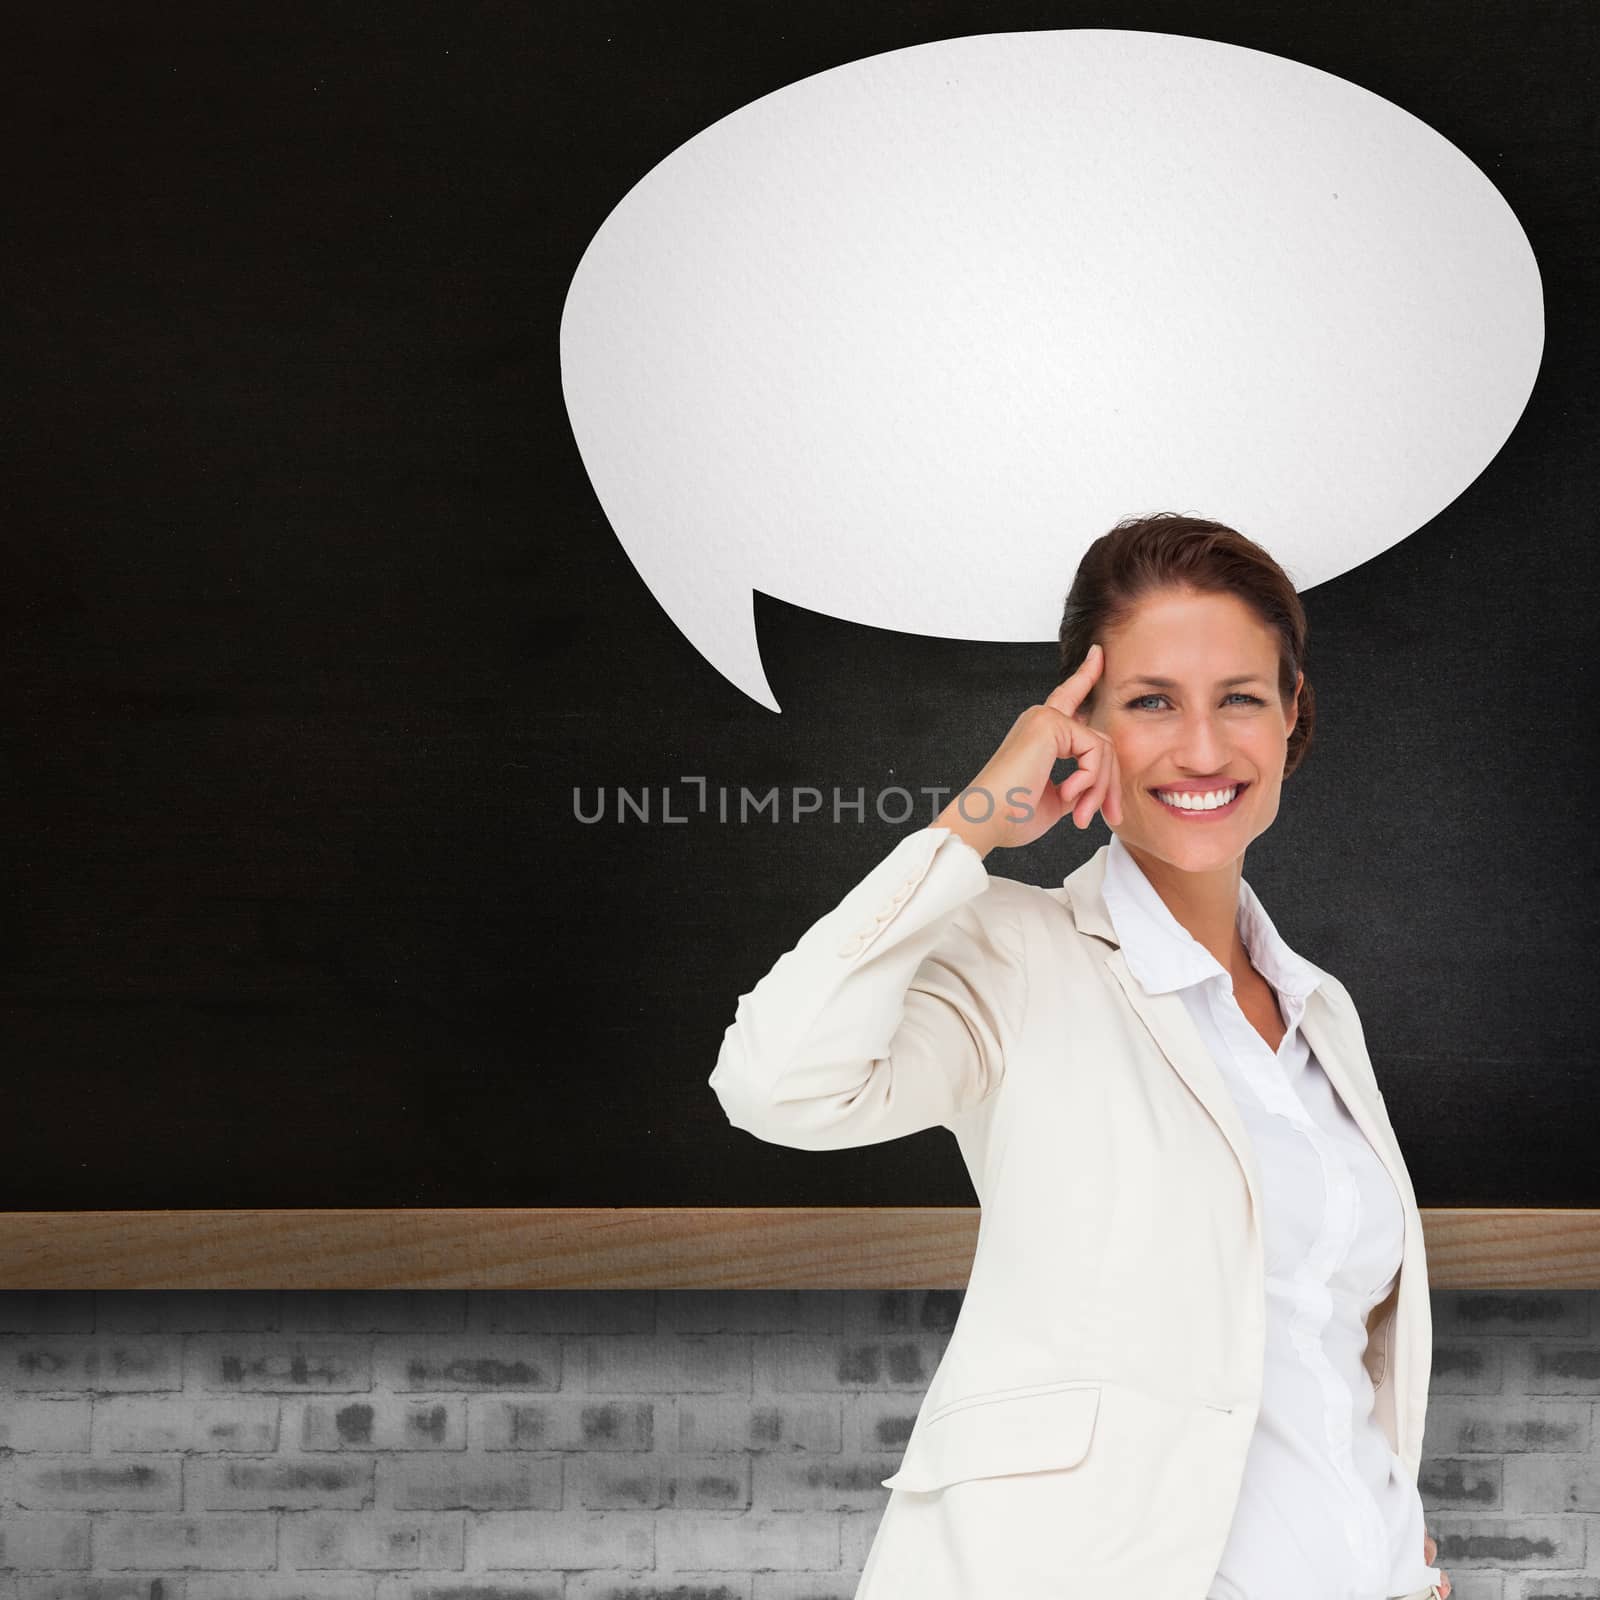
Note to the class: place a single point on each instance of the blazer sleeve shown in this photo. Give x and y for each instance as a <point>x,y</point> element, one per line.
<point>893,1013</point>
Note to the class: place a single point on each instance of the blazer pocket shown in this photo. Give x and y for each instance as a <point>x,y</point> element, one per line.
<point>1013,1430</point>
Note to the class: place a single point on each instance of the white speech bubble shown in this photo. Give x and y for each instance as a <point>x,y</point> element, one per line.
<point>898,341</point>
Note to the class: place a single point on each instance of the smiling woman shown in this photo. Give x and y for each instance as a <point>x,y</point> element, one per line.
<point>1208,707</point>
<point>1161,1103</point>
<point>1203,700</point>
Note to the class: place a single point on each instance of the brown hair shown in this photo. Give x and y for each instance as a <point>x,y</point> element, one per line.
<point>1171,550</point>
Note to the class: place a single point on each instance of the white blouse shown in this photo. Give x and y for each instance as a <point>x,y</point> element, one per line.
<point>1325,1507</point>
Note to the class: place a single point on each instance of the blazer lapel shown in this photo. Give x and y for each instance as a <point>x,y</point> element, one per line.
<point>1336,1038</point>
<point>1334,1033</point>
<point>1336,1042</point>
<point>1338,1047</point>
<point>1166,1016</point>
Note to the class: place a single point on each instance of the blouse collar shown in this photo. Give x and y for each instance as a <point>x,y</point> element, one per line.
<point>1163,955</point>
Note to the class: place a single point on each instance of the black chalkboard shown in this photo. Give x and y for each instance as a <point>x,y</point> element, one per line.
<point>313,626</point>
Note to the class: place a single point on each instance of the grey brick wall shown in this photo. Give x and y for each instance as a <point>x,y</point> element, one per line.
<point>617,1446</point>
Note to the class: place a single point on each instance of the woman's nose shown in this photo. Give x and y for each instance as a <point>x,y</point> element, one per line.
<point>1201,744</point>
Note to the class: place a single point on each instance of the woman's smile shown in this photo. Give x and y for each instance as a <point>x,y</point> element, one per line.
<point>1201,807</point>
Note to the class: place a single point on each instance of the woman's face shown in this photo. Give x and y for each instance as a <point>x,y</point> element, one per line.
<point>1197,731</point>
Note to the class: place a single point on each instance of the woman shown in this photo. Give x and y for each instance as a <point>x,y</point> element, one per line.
<point>1193,1355</point>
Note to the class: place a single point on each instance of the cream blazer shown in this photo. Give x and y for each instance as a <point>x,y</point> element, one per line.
<point>1091,1411</point>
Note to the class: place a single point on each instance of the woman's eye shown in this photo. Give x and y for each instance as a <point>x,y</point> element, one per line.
<point>1238,694</point>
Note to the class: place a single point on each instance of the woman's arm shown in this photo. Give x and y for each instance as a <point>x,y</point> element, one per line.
<point>895,1011</point>
<point>892,1014</point>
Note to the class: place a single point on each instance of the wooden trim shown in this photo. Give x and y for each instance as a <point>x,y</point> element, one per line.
<point>644,1247</point>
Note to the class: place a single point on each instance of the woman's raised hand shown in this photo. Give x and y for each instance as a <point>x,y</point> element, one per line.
<point>1012,801</point>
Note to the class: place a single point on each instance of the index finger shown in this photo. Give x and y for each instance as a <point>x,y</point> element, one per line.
<point>1069,694</point>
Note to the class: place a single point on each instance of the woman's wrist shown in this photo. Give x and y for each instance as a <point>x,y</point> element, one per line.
<point>980,835</point>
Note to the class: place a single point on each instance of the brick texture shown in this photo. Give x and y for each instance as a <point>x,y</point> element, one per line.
<point>619,1446</point>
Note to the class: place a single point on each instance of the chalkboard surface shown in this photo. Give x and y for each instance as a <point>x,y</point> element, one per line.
<point>314,632</point>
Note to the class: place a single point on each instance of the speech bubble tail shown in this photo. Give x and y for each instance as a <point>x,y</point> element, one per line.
<point>720,622</point>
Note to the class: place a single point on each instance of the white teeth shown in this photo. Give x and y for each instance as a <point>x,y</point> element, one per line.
<point>1198,802</point>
